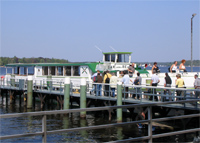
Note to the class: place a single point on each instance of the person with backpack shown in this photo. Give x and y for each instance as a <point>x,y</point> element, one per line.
<point>106,80</point>
<point>113,83</point>
<point>99,85</point>
<point>94,78</point>
<point>137,81</point>
<point>167,83</point>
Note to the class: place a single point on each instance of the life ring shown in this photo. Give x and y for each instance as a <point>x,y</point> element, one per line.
<point>2,77</point>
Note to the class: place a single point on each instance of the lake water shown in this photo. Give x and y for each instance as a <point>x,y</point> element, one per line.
<point>10,126</point>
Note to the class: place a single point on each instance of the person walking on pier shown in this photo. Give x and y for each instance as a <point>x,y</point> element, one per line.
<point>99,85</point>
<point>154,82</point>
<point>173,68</point>
<point>182,66</point>
<point>106,80</point>
<point>131,70</point>
<point>167,83</point>
<point>179,84</point>
<point>94,78</point>
<point>113,83</point>
<point>155,68</point>
<point>137,81</point>
<point>125,81</point>
<point>197,86</point>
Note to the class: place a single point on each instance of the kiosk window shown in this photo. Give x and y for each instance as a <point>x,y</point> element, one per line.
<point>30,70</point>
<point>45,70</point>
<point>124,58</point>
<point>113,58</point>
<point>60,70</point>
<point>76,70</point>
<point>16,70</point>
<point>68,71</point>
<point>107,57</point>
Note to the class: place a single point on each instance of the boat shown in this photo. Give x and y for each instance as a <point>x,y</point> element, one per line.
<point>112,61</point>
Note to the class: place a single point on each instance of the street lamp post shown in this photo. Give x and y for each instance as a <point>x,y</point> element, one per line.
<point>191,42</point>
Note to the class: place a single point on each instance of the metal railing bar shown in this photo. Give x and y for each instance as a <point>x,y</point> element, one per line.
<point>157,135</point>
<point>176,133</point>
<point>176,117</point>
<point>99,127</point>
<point>96,127</point>
<point>20,135</point>
<point>130,139</point>
<point>93,109</point>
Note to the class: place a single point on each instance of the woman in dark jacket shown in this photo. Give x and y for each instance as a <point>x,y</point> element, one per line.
<point>155,68</point>
<point>99,85</point>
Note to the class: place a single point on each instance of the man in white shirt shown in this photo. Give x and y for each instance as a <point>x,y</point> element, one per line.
<point>125,81</point>
<point>154,82</point>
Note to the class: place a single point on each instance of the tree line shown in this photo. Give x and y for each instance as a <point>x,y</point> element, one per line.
<point>7,60</point>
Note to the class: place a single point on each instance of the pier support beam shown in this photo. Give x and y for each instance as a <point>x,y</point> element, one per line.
<point>66,93</point>
<point>30,92</point>
<point>119,101</point>
<point>11,97</point>
<point>83,97</point>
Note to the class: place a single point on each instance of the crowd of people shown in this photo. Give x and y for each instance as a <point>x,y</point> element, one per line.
<point>173,68</point>
<point>110,80</point>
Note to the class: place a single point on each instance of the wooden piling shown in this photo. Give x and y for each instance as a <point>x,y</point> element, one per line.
<point>7,98</point>
<point>67,93</point>
<point>30,92</point>
<point>11,97</point>
<point>2,95</point>
<point>83,97</point>
<point>119,101</point>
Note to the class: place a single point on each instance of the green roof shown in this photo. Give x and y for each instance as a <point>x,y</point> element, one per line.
<point>118,53</point>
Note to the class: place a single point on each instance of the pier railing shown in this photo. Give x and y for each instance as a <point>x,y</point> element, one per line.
<point>44,132</point>
<point>140,93</point>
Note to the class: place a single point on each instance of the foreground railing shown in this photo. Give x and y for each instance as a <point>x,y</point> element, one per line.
<point>149,121</point>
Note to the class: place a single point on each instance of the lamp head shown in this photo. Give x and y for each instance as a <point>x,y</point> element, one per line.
<point>194,14</point>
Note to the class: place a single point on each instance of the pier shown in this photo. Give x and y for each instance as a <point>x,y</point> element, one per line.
<point>65,94</point>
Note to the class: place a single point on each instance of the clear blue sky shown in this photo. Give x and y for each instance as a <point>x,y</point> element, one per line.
<point>153,30</point>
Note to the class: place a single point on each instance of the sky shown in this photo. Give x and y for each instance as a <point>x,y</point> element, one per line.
<point>158,30</point>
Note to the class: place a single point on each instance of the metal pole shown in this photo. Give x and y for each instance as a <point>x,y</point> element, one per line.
<point>66,93</point>
<point>83,97</point>
<point>30,92</point>
<point>191,41</point>
<point>191,46</point>
<point>44,129</point>
<point>150,124</point>
<point>119,101</point>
